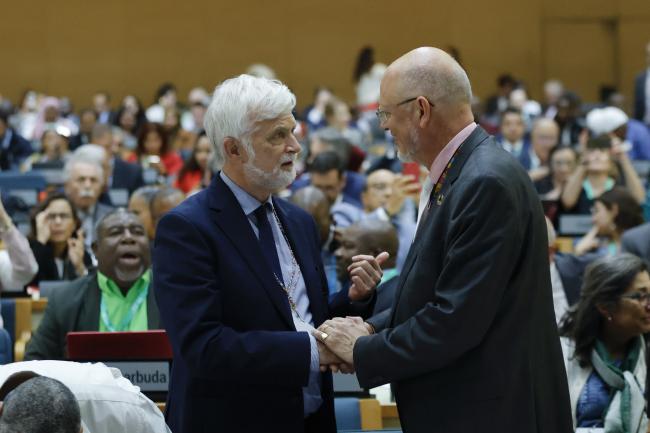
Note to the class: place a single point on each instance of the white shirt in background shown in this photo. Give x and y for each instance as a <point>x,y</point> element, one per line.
<point>109,403</point>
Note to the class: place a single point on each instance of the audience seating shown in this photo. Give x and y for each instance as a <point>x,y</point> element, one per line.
<point>17,316</point>
<point>10,180</point>
<point>354,413</point>
<point>6,348</point>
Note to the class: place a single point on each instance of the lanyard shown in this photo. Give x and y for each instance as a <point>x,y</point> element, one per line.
<point>126,321</point>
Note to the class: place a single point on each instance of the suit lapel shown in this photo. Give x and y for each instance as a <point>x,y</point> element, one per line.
<point>230,217</point>
<point>435,202</point>
<point>153,316</point>
<point>300,246</point>
<point>88,319</point>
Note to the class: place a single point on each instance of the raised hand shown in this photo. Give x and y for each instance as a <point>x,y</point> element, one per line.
<point>76,249</point>
<point>43,227</point>
<point>365,274</point>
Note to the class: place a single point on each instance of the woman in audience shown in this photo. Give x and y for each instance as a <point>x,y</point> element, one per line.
<point>598,173</point>
<point>193,173</point>
<point>153,151</point>
<point>563,163</point>
<point>140,204</point>
<point>57,240</point>
<point>54,149</point>
<point>604,348</point>
<point>17,263</point>
<point>613,212</point>
<point>49,117</point>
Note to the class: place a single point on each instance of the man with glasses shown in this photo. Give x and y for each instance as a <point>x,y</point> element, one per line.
<point>470,343</point>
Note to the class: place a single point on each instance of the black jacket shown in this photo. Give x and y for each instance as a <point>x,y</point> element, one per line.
<point>471,344</point>
<point>14,149</point>
<point>74,308</point>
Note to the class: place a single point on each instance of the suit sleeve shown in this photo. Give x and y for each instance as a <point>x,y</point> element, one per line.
<point>628,245</point>
<point>47,342</point>
<point>191,303</point>
<point>484,238</point>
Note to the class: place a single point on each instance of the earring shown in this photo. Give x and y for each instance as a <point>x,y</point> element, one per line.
<point>609,318</point>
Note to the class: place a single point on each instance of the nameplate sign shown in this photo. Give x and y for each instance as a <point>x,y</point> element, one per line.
<point>150,376</point>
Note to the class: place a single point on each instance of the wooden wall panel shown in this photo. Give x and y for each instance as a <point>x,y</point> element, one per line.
<point>75,47</point>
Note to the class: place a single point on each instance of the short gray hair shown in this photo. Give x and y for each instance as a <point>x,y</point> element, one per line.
<point>41,404</point>
<point>238,104</point>
<point>89,154</point>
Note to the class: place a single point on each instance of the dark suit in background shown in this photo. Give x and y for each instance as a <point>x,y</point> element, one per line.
<point>47,269</point>
<point>637,241</point>
<point>471,344</point>
<point>640,108</point>
<point>239,365</point>
<point>126,175</point>
<point>14,149</point>
<point>74,308</point>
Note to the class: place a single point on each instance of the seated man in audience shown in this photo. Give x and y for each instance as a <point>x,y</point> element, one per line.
<point>109,403</point>
<point>543,138</point>
<point>117,297</point>
<point>329,140</point>
<point>370,237</point>
<point>40,405</point>
<point>87,121</point>
<point>512,134</point>
<point>140,204</point>
<point>613,121</point>
<point>314,201</point>
<point>387,197</point>
<point>84,182</point>
<point>14,149</point>
<point>327,174</point>
<point>637,241</point>
<point>162,202</point>
<point>121,174</point>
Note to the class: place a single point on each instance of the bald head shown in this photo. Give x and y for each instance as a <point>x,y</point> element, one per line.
<point>432,73</point>
<point>544,136</point>
<point>425,101</point>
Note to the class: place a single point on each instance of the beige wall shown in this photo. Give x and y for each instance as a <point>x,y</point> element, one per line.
<point>74,47</point>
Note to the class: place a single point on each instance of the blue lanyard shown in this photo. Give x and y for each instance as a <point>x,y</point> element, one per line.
<point>126,321</point>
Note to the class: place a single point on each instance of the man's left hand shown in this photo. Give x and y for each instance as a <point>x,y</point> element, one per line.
<point>340,335</point>
<point>365,274</point>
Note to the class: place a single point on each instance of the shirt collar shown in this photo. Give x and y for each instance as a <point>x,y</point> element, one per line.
<point>247,202</point>
<point>109,287</point>
<point>448,151</point>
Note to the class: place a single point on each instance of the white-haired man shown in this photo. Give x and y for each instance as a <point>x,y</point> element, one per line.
<point>470,344</point>
<point>84,176</point>
<point>240,283</point>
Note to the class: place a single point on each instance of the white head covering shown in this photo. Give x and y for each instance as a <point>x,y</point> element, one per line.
<point>605,120</point>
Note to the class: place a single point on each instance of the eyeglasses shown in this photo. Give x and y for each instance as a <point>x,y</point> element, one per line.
<point>640,297</point>
<point>383,115</point>
<point>61,216</point>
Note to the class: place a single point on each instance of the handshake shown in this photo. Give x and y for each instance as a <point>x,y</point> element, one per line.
<point>336,339</point>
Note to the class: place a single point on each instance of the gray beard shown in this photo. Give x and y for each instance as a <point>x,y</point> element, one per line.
<point>275,181</point>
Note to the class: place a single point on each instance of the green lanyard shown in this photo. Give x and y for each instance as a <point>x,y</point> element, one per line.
<point>589,191</point>
<point>126,321</point>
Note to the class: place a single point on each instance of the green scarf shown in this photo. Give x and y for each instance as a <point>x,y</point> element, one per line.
<point>618,383</point>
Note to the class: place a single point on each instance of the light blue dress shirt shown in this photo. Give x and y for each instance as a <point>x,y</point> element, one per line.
<point>311,393</point>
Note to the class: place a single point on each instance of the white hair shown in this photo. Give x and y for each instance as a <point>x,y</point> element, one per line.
<point>238,104</point>
<point>93,154</point>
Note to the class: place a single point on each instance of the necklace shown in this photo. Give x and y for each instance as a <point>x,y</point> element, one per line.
<point>293,279</point>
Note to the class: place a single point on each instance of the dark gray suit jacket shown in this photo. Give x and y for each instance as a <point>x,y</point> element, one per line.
<point>74,308</point>
<point>637,241</point>
<point>471,344</point>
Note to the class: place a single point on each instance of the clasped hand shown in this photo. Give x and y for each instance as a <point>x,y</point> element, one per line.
<point>336,339</point>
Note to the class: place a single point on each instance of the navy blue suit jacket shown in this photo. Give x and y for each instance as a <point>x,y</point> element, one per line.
<point>639,96</point>
<point>238,363</point>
